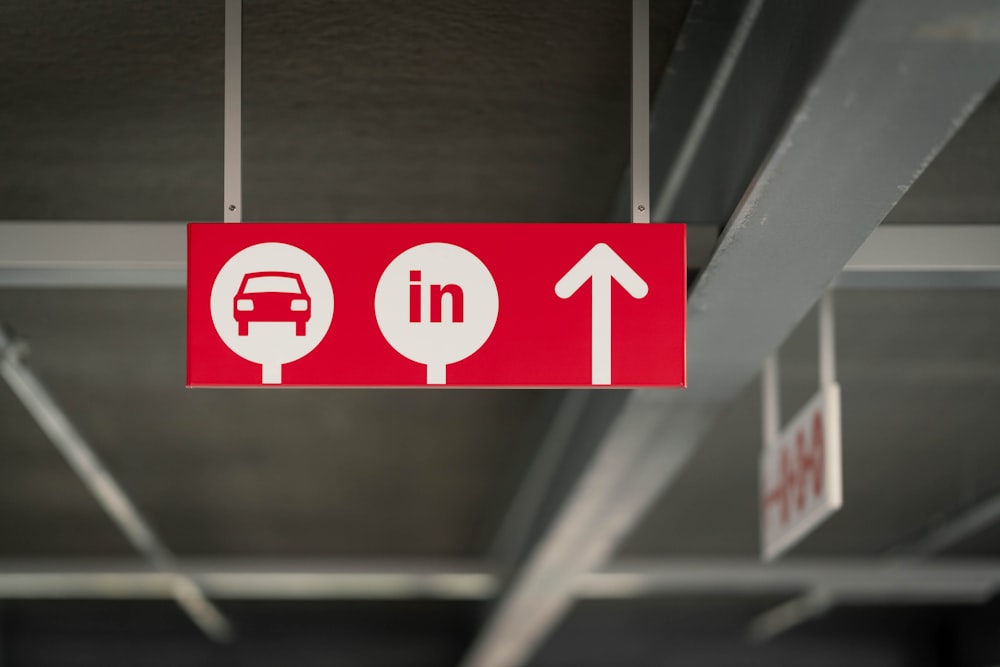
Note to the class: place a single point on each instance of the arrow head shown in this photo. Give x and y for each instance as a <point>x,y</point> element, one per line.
<point>601,262</point>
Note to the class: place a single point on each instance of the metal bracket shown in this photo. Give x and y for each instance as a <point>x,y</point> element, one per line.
<point>233,115</point>
<point>640,110</point>
<point>771,384</point>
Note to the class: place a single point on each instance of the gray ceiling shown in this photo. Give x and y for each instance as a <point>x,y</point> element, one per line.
<point>448,111</point>
<point>709,632</point>
<point>960,185</point>
<point>399,634</point>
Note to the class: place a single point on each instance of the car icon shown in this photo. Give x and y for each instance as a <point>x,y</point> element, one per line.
<point>272,296</point>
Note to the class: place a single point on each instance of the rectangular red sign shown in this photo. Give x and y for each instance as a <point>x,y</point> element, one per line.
<point>465,305</point>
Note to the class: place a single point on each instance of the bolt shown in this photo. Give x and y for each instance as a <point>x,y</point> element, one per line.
<point>232,207</point>
<point>641,208</point>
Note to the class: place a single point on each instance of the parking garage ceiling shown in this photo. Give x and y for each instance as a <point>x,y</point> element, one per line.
<point>353,111</point>
<point>436,111</point>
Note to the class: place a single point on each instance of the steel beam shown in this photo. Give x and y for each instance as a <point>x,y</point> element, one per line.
<point>956,530</point>
<point>136,255</point>
<point>736,70</point>
<point>251,579</point>
<point>926,256</point>
<point>152,255</point>
<point>865,581</point>
<point>93,254</point>
<point>109,494</point>
<point>819,599</point>
<point>871,580</point>
<point>813,203</point>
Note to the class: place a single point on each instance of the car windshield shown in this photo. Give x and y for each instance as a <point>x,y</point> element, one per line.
<point>272,284</point>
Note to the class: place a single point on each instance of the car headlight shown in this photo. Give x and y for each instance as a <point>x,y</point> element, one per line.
<point>244,304</point>
<point>299,304</point>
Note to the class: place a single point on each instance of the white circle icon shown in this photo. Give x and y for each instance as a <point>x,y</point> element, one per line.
<point>272,303</point>
<point>436,304</point>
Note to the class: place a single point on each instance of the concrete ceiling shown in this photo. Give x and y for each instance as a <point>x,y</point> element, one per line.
<point>353,111</point>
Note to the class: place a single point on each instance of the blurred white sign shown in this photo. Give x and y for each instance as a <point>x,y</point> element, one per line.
<point>800,473</point>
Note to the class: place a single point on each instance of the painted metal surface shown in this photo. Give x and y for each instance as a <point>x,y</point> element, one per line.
<point>814,201</point>
<point>436,304</point>
<point>861,580</point>
<point>640,111</point>
<point>233,114</point>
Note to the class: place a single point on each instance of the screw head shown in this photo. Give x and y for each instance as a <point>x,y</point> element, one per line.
<point>641,208</point>
<point>232,207</point>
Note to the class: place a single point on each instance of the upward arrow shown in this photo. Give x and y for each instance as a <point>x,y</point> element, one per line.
<point>600,265</point>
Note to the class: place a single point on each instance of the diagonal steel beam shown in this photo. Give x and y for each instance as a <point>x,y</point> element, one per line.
<point>820,599</point>
<point>861,133</point>
<point>106,490</point>
<point>968,523</point>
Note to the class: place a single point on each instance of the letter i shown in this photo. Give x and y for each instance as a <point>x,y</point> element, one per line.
<point>414,296</point>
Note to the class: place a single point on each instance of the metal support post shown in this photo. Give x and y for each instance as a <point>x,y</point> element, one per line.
<point>233,120</point>
<point>827,347</point>
<point>771,393</point>
<point>640,110</point>
<point>771,384</point>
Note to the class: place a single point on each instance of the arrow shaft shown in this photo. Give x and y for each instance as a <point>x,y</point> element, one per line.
<point>600,330</point>
<point>600,266</point>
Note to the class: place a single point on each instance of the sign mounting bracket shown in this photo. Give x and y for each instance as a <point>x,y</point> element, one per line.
<point>801,467</point>
<point>640,110</point>
<point>233,115</point>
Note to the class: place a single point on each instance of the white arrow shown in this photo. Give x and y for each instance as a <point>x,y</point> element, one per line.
<point>599,266</point>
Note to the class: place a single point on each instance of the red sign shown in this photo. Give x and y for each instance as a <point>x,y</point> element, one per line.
<point>801,474</point>
<point>404,305</point>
